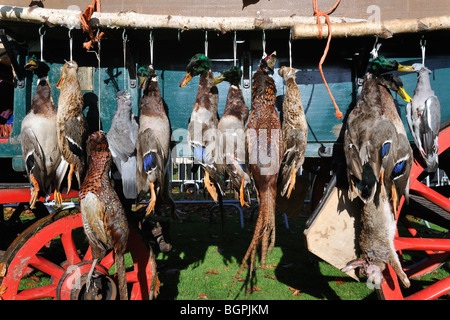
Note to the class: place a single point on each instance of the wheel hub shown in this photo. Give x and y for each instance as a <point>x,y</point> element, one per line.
<point>72,285</point>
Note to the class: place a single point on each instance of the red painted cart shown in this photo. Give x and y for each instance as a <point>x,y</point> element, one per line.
<point>55,248</point>
<point>437,250</point>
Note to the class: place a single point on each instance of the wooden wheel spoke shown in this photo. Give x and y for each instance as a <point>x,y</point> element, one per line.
<point>47,291</point>
<point>46,266</point>
<point>70,248</point>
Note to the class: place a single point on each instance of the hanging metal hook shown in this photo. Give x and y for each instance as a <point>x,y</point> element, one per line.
<point>423,43</point>
<point>290,48</point>
<point>375,49</point>
<point>234,49</point>
<point>124,43</point>
<point>264,43</point>
<point>206,42</point>
<point>41,40</point>
<point>70,43</point>
<point>151,39</point>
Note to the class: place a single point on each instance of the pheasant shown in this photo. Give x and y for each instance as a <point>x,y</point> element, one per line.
<point>103,215</point>
<point>44,164</point>
<point>295,133</point>
<point>71,123</point>
<point>231,134</point>
<point>202,128</point>
<point>122,139</point>
<point>264,139</point>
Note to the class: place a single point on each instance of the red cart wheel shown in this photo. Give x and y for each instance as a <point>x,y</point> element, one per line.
<point>52,247</point>
<point>437,250</point>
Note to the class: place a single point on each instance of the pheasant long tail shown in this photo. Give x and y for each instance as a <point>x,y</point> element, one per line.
<point>120,267</point>
<point>264,233</point>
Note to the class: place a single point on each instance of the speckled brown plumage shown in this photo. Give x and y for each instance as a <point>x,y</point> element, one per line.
<point>295,132</point>
<point>103,215</point>
<point>71,124</point>
<point>264,140</point>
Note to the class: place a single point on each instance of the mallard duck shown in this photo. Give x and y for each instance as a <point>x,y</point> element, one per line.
<point>39,141</point>
<point>202,128</point>
<point>403,158</point>
<point>153,142</point>
<point>71,123</point>
<point>104,220</point>
<point>122,140</point>
<point>264,138</point>
<point>378,227</point>
<point>424,117</point>
<point>375,103</point>
<point>231,134</point>
<point>381,65</point>
<point>295,132</point>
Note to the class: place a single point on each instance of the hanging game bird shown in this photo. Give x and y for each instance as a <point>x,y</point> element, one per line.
<point>103,215</point>
<point>202,128</point>
<point>379,160</point>
<point>295,133</point>
<point>424,116</point>
<point>264,138</point>
<point>231,134</point>
<point>44,164</point>
<point>153,142</point>
<point>70,122</point>
<point>122,139</point>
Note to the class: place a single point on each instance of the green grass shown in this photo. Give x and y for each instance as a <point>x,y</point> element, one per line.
<point>203,262</point>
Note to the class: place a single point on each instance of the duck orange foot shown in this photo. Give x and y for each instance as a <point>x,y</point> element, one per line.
<point>292,183</point>
<point>34,191</point>
<point>241,194</point>
<point>152,202</point>
<point>210,187</point>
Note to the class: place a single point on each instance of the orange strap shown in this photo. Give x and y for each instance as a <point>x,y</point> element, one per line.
<point>85,18</point>
<point>318,14</point>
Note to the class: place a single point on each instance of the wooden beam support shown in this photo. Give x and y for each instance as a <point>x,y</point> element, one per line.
<point>384,29</point>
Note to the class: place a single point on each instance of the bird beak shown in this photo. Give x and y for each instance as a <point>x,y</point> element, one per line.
<point>404,68</point>
<point>271,59</point>
<point>141,81</point>
<point>185,80</point>
<point>218,80</point>
<point>31,65</point>
<point>60,82</point>
<point>402,93</point>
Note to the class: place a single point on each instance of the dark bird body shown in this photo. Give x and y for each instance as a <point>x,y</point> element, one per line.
<point>122,140</point>
<point>231,135</point>
<point>295,133</point>
<point>39,140</point>
<point>103,215</point>
<point>379,160</point>
<point>424,118</point>
<point>71,123</point>
<point>153,150</point>
<point>264,138</point>
<point>202,128</point>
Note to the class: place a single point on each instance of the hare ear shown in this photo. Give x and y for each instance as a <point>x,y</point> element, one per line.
<point>357,263</point>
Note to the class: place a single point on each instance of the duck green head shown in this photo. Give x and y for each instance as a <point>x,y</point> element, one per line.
<point>381,65</point>
<point>40,68</point>
<point>198,64</point>
<point>232,75</point>
<point>145,73</point>
<point>394,83</point>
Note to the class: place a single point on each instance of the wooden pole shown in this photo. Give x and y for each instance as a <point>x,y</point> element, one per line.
<point>70,19</point>
<point>384,29</point>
